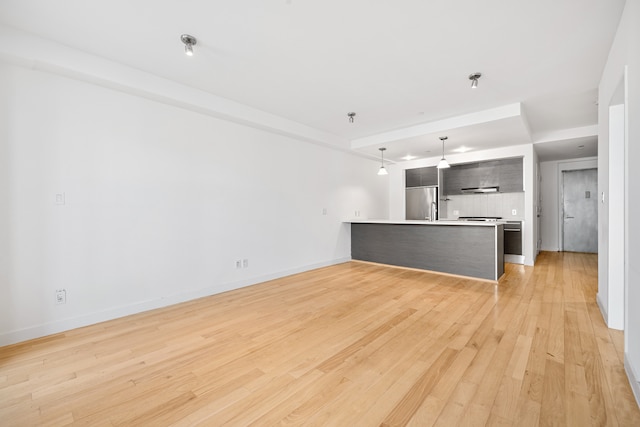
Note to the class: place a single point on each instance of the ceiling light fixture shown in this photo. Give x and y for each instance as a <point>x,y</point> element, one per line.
<point>474,79</point>
<point>351,116</point>
<point>382,170</point>
<point>443,164</point>
<point>189,42</point>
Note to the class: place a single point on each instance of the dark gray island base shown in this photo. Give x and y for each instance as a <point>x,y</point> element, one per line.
<point>461,249</point>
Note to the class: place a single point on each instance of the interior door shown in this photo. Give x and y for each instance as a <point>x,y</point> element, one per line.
<point>580,210</point>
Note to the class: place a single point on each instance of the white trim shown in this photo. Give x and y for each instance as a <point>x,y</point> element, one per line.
<point>55,327</point>
<point>514,259</point>
<point>634,379</point>
<point>603,309</point>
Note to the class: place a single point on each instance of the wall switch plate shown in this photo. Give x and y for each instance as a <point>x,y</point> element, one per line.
<point>324,211</point>
<point>238,263</point>
<point>245,263</point>
<point>61,296</point>
<point>514,212</point>
<point>456,212</point>
<point>60,198</point>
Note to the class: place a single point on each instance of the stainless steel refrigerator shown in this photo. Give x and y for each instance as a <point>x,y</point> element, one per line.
<point>422,203</point>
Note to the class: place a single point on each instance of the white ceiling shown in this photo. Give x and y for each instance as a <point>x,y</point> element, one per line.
<point>402,65</point>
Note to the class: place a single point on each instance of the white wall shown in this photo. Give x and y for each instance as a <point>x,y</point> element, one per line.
<point>160,202</point>
<point>551,212</point>
<point>397,186</point>
<point>623,64</point>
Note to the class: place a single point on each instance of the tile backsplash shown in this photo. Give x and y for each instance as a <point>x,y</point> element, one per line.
<point>492,204</point>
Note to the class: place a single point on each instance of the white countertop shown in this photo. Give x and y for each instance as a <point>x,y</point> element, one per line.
<point>419,222</point>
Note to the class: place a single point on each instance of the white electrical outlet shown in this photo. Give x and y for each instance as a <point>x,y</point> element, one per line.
<point>60,199</point>
<point>61,296</point>
<point>514,212</point>
<point>456,212</point>
<point>245,263</point>
<point>324,211</point>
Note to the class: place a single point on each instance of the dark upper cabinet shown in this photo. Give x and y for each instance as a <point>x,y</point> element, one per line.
<point>511,176</point>
<point>505,174</point>
<point>421,177</point>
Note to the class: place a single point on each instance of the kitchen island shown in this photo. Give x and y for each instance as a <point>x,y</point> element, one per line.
<point>465,248</point>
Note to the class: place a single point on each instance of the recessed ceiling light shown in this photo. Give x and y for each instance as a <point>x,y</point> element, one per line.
<point>462,149</point>
<point>409,157</point>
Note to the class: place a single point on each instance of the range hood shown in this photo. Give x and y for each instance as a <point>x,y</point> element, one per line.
<point>480,190</point>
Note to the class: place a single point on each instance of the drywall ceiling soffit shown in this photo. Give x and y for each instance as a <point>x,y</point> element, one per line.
<point>567,144</point>
<point>396,64</point>
<point>567,149</point>
<point>482,130</point>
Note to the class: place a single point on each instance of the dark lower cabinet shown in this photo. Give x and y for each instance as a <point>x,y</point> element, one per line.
<point>466,250</point>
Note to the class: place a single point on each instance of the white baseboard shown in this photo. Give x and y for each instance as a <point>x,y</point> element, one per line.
<point>603,309</point>
<point>514,259</point>
<point>634,379</point>
<point>58,326</point>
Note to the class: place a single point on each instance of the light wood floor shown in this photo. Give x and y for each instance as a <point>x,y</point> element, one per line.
<point>349,345</point>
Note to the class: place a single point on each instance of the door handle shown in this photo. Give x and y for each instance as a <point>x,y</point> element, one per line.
<point>569,217</point>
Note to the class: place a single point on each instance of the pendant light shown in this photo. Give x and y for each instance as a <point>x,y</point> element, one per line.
<point>443,164</point>
<point>382,170</point>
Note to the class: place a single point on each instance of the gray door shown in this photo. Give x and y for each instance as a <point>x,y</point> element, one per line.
<point>580,210</point>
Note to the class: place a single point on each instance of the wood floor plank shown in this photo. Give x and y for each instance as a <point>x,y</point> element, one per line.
<point>351,344</point>
<point>553,400</point>
<point>407,407</point>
